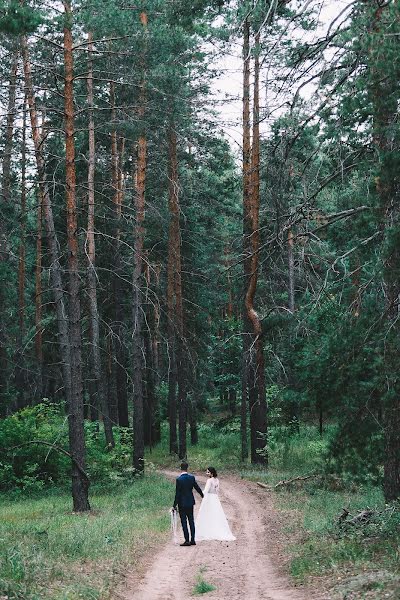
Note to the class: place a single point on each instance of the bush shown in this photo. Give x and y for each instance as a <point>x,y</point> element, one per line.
<point>27,466</point>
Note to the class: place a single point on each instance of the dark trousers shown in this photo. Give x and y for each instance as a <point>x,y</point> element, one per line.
<point>186,515</point>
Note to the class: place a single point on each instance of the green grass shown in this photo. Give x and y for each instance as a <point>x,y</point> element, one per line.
<point>202,586</point>
<point>219,448</point>
<point>49,552</point>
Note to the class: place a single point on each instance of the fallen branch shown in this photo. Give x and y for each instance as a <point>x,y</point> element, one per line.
<point>300,478</point>
<point>53,446</point>
<point>263,485</point>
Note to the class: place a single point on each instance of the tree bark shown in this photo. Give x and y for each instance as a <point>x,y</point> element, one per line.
<point>194,432</point>
<point>138,346</point>
<point>6,178</point>
<point>5,199</point>
<point>290,242</point>
<point>20,371</point>
<point>173,243</point>
<point>80,484</point>
<point>385,99</point>
<point>175,272</point>
<point>117,157</point>
<point>38,296</point>
<point>52,241</point>
<point>246,232</point>
<point>258,403</point>
<point>98,376</point>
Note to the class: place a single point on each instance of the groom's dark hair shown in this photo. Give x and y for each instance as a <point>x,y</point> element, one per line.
<point>184,466</point>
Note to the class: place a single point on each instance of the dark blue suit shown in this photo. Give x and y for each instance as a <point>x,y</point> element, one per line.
<point>185,501</point>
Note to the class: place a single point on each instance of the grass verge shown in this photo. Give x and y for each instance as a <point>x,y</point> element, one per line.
<point>50,553</point>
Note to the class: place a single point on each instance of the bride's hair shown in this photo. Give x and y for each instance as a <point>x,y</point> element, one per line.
<point>212,471</point>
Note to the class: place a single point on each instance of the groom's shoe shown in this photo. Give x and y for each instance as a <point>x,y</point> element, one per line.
<point>192,543</point>
<point>185,544</point>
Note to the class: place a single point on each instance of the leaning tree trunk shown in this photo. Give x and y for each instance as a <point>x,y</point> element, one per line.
<point>138,346</point>
<point>80,484</point>
<point>98,376</point>
<point>52,241</point>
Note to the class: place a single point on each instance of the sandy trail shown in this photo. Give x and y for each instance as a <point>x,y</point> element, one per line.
<point>239,569</point>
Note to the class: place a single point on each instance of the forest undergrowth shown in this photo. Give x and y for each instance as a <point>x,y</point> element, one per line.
<point>49,552</point>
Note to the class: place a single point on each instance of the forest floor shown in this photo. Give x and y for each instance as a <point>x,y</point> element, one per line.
<point>251,567</point>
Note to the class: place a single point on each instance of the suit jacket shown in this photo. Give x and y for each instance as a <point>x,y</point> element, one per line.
<point>184,490</point>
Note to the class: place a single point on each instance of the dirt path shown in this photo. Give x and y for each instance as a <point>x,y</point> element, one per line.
<point>238,570</point>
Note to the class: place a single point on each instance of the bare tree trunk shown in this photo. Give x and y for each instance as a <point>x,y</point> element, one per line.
<point>38,297</point>
<point>258,404</point>
<point>52,241</point>
<point>193,404</point>
<point>246,233</point>
<point>291,271</point>
<point>385,108</point>
<point>80,484</point>
<point>173,233</point>
<point>99,381</point>
<point>6,179</point>
<point>138,347</point>
<point>5,199</point>
<point>260,409</point>
<point>176,268</point>
<point>20,370</point>
<point>117,157</point>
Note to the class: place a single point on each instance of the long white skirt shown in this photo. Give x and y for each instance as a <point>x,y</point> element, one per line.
<point>211,522</point>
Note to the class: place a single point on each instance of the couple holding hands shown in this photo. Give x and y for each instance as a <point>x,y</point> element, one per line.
<point>211,522</point>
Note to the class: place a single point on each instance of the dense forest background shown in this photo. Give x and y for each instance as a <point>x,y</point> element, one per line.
<point>151,272</point>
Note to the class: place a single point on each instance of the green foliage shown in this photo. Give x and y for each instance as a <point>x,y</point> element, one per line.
<point>27,466</point>
<point>17,19</point>
<point>202,587</point>
<point>50,553</point>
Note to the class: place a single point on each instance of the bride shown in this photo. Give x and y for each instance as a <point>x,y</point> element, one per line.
<point>211,522</point>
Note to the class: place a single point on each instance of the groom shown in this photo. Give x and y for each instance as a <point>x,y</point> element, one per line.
<point>185,501</point>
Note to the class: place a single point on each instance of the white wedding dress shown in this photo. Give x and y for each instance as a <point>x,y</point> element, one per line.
<point>211,522</point>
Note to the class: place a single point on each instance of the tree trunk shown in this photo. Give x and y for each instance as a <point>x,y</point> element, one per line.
<point>6,179</point>
<point>173,242</point>
<point>98,377</point>
<point>138,347</point>
<point>291,271</point>
<point>258,403</point>
<point>194,433</point>
<point>246,232</point>
<point>176,313</point>
<point>80,484</point>
<point>117,157</point>
<point>38,297</point>
<point>20,371</point>
<point>52,241</point>
<point>385,100</point>
<point>5,199</point>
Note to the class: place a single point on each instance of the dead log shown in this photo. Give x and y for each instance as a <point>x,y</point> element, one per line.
<point>263,485</point>
<point>294,480</point>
